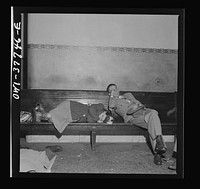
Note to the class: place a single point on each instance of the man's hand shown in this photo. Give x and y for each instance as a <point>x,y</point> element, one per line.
<point>111,94</point>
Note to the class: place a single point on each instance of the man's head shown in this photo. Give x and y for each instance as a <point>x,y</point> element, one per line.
<point>112,90</point>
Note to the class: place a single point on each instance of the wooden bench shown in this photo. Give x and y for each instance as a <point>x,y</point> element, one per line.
<point>160,101</point>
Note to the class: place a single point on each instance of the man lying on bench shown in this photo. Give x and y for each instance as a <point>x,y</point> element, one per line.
<point>72,111</point>
<point>135,113</point>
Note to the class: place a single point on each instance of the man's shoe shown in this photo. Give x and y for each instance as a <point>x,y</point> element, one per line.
<point>166,159</point>
<point>157,159</point>
<point>173,166</point>
<point>160,148</point>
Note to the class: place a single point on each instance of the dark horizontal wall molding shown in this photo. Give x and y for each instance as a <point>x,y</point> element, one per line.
<point>118,49</point>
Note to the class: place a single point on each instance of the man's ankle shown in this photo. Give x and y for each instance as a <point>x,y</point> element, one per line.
<point>158,138</point>
<point>160,148</point>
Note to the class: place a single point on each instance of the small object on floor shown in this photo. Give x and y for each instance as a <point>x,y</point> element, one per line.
<point>55,148</point>
<point>157,159</point>
<point>172,166</point>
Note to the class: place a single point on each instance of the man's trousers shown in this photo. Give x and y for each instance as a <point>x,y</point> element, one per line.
<point>150,121</point>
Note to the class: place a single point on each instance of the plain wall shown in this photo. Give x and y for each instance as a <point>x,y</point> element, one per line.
<point>92,68</point>
<point>146,31</point>
<point>83,52</point>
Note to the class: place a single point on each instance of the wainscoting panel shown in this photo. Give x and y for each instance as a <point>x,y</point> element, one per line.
<point>93,68</point>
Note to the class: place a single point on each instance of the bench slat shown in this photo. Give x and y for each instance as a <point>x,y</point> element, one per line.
<point>85,128</point>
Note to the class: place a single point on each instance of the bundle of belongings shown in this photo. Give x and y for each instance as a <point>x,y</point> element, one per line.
<point>37,112</point>
<point>25,116</point>
<point>67,112</point>
<point>35,161</point>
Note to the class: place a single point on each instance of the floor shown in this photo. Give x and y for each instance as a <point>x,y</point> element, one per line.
<point>108,158</point>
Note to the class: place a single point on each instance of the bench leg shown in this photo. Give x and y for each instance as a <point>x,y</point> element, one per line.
<point>93,139</point>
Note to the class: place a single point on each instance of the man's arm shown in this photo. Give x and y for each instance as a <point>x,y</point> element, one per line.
<point>111,102</point>
<point>130,97</point>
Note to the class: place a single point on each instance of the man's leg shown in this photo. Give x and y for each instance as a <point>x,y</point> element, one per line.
<point>152,123</point>
<point>152,130</point>
<point>155,130</point>
<point>173,165</point>
<point>175,147</point>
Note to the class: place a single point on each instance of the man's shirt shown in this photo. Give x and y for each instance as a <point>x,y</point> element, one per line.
<point>122,104</point>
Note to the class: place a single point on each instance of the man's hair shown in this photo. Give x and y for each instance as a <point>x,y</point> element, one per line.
<point>112,84</point>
